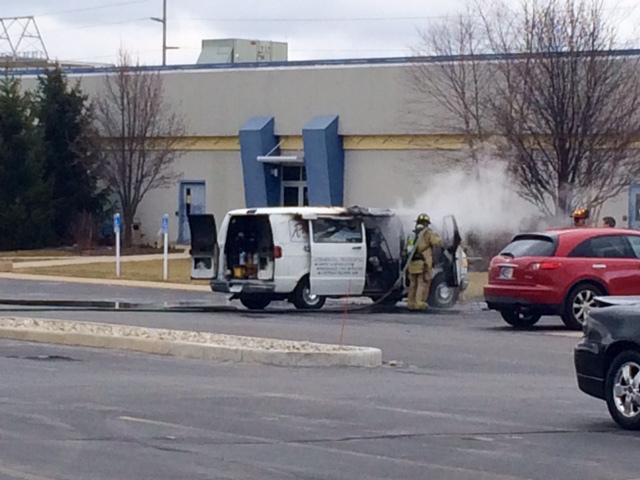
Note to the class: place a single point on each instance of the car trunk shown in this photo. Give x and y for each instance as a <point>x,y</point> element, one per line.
<point>527,260</point>
<point>249,250</point>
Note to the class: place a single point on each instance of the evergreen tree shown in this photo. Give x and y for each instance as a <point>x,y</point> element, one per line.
<point>65,119</point>
<point>25,209</point>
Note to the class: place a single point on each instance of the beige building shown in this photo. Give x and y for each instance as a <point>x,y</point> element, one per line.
<point>363,133</point>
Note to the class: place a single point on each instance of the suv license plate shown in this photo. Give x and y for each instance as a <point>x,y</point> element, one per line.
<point>506,273</point>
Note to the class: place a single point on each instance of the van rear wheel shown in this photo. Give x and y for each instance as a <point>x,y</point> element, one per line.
<point>303,299</point>
<point>255,302</point>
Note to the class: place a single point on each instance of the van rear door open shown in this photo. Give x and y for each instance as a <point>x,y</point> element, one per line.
<point>338,256</point>
<point>204,246</point>
<point>451,240</point>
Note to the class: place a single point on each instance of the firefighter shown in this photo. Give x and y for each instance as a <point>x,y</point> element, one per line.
<point>420,268</point>
<point>580,216</point>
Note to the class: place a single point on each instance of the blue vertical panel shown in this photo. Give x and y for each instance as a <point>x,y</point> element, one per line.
<point>261,187</point>
<point>324,161</point>
<point>634,206</point>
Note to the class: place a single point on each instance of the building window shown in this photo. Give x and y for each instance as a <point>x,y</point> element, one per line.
<point>294,186</point>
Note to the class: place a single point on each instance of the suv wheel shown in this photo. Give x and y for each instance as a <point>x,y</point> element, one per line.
<point>579,302</point>
<point>622,390</point>
<point>303,299</point>
<point>520,319</point>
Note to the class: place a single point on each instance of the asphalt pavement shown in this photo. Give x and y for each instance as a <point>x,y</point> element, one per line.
<point>468,398</point>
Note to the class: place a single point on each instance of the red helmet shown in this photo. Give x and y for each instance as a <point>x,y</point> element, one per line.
<point>580,212</point>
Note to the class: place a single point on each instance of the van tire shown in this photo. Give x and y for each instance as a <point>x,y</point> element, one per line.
<point>255,302</point>
<point>302,299</point>
<point>442,295</point>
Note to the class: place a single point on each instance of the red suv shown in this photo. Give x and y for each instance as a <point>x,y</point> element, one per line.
<point>560,272</point>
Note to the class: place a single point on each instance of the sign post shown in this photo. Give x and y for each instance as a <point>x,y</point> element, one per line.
<point>117,226</point>
<point>165,235</point>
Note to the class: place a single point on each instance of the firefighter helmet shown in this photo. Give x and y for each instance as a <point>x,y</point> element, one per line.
<point>423,219</point>
<point>580,213</point>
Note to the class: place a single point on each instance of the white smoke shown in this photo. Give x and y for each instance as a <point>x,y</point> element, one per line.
<point>483,203</point>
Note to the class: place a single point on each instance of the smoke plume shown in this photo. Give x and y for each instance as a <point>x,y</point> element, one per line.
<point>483,202</point>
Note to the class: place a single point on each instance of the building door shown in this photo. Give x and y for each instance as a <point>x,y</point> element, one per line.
<point>634,206</point>
<point>294,186</point>
<point>192,200</point>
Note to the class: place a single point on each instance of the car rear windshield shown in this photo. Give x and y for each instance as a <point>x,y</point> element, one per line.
<point>530,246</point>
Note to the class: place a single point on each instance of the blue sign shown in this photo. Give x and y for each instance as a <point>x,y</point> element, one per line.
<point>165,224</point>
<point>117,222</point>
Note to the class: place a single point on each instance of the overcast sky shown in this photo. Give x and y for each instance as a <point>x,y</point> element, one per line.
<point>94,30</point>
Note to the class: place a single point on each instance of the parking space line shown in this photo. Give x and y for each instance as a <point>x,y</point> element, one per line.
<point>152,422</point>
<point>565,334</point>
<point>13,473</point>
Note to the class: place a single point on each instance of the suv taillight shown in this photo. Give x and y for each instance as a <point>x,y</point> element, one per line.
<point>546,265</point>
<point>277,252</point>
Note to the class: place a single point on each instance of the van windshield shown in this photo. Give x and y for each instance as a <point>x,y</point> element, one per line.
<point>329,230</point>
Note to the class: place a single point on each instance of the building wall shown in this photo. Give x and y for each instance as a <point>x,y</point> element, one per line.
<point>222,173</point>
<point>399,146</point>
<point>370,99</point>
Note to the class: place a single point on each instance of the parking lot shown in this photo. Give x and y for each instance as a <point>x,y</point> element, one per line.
<point>460,396</point>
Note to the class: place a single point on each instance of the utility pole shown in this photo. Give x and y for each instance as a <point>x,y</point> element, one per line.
<point>163,21</point>
<point>164,33</point>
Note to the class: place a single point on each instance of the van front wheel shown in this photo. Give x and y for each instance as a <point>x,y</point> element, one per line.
<point>303,299</point>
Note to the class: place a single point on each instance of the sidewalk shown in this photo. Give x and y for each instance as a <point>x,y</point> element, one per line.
<point>97,259</point>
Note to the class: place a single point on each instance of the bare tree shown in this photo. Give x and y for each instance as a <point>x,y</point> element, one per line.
<point>550,83</point>
<point>568,104</point>
<point>457,78</point>
<point>139,133</point>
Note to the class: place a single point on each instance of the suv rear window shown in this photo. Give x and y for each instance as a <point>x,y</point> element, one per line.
<point>530,246</point>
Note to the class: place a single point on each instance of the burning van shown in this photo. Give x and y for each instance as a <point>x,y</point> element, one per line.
<point>308,254</point>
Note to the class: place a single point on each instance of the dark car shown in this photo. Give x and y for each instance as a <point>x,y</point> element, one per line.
<point>560,272</point>
<point>607,360</point>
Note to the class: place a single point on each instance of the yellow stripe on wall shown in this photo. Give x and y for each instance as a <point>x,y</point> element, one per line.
<point>351,142</point>
<point>404,142</point>
<point>213,144</point>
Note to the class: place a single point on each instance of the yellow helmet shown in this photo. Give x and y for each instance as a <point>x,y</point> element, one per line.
<point>423,219</point>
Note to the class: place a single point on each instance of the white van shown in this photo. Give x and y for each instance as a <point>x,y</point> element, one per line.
<point>306,254</point>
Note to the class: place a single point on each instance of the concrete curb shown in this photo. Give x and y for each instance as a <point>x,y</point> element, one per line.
<point>229,348</point>
<point>100,281</point>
